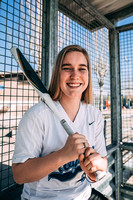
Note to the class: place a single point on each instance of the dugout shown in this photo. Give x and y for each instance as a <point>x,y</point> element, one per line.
<point>40,29</point>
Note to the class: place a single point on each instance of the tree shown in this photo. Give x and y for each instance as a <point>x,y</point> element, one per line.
<point>31,13</point>
<point>101,63</point>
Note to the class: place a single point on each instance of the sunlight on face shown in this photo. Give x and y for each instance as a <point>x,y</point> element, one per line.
<point>74,75</point>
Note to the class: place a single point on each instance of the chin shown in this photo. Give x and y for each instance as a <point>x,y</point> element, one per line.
<point>75,96</point>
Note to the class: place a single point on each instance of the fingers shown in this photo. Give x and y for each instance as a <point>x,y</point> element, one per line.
<point>74,146</point>
<point>90,161</point>
<point>91,168</point>
<point>81,158</point>
<point>85,145</point>
<point>80,141</point>
<point>89,151</point>
<point>91,157</point>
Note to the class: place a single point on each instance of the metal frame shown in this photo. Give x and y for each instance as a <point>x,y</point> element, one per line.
<point>91,9</point>
<point>115,105</point>
<point>97,20</point>
<point>126,189</point>
<point>49,38</point>
<point>49,52</point>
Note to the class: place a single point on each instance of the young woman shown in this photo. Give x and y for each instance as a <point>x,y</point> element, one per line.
<point>51,164</point>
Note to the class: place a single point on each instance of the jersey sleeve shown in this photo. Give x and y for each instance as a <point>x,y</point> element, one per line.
<point>29,138</point>
<point>100,146</point>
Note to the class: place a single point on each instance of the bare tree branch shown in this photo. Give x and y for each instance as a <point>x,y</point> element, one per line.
<point>101,65</point>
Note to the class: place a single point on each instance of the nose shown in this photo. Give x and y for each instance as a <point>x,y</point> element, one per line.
<point>74,74</point>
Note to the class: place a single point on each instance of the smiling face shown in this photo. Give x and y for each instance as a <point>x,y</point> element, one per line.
<point>73,75</point>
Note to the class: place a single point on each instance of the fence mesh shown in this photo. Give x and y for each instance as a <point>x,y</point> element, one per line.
<point>126,66</point>
<point>21,26</point>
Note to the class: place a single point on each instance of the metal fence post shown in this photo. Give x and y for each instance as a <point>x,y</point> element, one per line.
<point>116,105</point>
<point>49,38</point>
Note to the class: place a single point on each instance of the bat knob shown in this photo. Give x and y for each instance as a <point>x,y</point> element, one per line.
<point>99,175</point>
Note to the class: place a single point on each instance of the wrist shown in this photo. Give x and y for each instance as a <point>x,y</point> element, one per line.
<point>63,159</point>
<point>90,178</point>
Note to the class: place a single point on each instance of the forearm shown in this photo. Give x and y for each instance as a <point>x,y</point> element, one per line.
<point>36,168</point>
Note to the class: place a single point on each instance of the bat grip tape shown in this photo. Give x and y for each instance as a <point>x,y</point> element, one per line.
<point>66,127</point>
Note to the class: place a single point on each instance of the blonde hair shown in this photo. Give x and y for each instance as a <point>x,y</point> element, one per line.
<point>54,88</point>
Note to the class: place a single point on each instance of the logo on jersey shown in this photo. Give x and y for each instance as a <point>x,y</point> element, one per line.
<point>91,123</point>
<point>67,172</point>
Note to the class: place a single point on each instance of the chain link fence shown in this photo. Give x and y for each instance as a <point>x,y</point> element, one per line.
<point>126,66</point>
<point>21,26</point>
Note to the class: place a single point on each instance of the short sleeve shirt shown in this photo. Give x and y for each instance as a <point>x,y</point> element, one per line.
<point>40,133</point>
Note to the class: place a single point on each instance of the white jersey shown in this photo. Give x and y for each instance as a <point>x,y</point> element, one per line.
<point>40,133</point>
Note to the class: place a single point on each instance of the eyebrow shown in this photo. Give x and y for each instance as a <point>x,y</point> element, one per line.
<point>67,64</point>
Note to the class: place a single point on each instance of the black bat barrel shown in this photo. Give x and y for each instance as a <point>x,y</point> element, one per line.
<point>30,73</point>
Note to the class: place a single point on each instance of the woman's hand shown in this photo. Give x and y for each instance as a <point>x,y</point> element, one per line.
<point>74,147</point>
<point>91,161</point>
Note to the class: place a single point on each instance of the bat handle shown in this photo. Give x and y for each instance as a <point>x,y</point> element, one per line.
<point>66,127</point>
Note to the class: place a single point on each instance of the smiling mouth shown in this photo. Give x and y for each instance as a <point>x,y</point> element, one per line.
<point>74,84</point>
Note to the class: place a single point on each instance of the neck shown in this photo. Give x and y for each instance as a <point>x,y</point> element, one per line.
<point>71,107</point>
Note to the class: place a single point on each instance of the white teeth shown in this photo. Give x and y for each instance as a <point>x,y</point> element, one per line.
<point>74,84</point>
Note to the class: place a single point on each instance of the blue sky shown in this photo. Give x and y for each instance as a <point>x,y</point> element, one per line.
<point>125,21</point>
